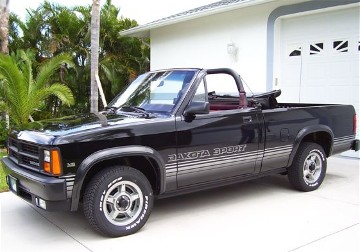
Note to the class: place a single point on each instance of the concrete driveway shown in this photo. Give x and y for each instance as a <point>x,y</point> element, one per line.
<point>260,215</point>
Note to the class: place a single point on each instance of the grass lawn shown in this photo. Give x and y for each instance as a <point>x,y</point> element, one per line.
<point>3,185</point>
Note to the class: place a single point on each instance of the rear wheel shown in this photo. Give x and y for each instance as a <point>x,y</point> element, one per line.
<point>308,169</point>
<point>118,201</point>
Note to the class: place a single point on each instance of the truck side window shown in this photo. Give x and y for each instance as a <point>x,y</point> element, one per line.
<point>200,95</point>
<point>199,100</point>
<point>221,84</point>
<point>223,93</point>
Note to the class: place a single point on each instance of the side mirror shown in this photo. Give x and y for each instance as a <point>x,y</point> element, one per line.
<point>196,108</point>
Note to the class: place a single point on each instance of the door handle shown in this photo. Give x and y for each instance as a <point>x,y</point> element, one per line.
<point>247,119</point>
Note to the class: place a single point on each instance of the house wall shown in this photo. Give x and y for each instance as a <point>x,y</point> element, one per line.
<point>203,43</point>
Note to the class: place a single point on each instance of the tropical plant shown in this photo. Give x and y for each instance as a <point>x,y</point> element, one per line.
<point>22,93</point>
<point>52,29</point>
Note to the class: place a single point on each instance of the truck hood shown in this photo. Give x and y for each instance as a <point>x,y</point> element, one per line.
<point>58,130</point>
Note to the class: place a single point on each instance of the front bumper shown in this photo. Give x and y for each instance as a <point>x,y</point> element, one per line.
<point>34,187</point>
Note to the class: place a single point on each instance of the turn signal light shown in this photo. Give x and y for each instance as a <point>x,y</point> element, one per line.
<point>47,167</point>
<point>55,162</point>
<point>52,162</point>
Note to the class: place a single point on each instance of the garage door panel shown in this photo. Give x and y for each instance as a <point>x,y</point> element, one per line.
<point>314,74</point>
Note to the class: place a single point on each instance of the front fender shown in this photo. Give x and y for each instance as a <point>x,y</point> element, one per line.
<point>111,153</point>
<point>307,131</point>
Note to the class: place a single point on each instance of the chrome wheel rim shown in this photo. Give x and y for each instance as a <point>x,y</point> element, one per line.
<point>312,168</point>
<point>122,203</point>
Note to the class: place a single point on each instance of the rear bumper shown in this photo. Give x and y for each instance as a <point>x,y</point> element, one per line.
<point>34,187</point>
<point>355,145</point>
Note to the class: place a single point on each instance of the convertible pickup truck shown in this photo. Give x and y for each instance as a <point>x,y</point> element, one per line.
<point>171,132</point>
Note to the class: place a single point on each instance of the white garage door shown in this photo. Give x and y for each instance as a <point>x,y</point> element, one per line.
<point>320,58</point>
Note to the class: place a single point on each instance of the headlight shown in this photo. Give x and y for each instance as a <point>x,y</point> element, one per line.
<point>47,156</point>
<point>52,162</point>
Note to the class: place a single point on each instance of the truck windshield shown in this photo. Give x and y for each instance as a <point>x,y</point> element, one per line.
<point>157,92</point>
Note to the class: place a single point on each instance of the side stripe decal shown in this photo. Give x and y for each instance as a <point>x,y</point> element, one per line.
<point>231,159</point>
<point>343,140</point>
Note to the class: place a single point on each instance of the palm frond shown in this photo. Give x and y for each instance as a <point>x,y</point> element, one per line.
<point>3,106</point>
<point>48,68</point>
<point>59,90</point>
<point>13,84</point>
<point>26,68</point>
<point>108,73</point>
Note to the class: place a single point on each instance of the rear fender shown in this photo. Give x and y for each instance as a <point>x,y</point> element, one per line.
<point>308,131</point>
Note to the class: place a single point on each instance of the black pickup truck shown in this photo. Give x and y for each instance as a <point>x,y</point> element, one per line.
<point>171,132</point>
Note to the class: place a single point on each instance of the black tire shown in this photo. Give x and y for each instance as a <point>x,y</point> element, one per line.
<point>118,201</point>
<point>308,169</point>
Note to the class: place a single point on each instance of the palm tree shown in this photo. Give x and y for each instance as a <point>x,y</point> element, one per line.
<point>95,31</point>
<point>4,41</point>
<point>4,25</point>
<point>22,93</point>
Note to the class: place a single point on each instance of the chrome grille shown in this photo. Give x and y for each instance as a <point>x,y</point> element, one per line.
<point>24,154</point>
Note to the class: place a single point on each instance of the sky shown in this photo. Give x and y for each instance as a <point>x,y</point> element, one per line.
<point>143,11</point>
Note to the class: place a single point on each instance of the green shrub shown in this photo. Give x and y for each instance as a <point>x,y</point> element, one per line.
<point>3,185</point>
<point>3,133</point>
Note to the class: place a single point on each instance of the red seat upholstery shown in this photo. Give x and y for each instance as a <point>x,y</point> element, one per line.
<point>227,105</point>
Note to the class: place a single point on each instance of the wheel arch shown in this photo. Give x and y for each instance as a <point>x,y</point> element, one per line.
<point>142,158</point>
<point>320,134</point>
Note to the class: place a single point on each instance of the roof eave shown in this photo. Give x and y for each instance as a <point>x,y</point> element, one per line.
<point>143,31</point>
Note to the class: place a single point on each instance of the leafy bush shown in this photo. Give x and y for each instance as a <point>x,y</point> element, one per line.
<point>3,185</point>
<point>3,133</point>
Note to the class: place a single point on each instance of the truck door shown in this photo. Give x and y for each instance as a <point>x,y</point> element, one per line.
<point>219,145</point>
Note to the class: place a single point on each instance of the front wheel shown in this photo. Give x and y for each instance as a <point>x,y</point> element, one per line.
<point>308,169</point>
<point>118,201</point>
